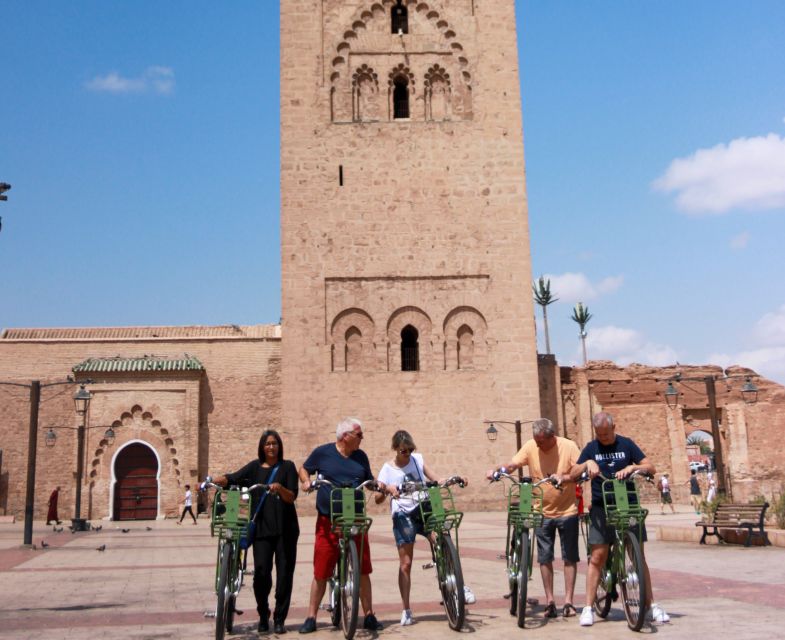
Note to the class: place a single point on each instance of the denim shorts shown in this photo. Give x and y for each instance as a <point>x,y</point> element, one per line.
<point>406,526</point>
<point>567,527</point>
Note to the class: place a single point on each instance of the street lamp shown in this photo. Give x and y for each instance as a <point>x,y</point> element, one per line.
<point>492,432</point>
<point>749,393</point>
<point>82,404</point>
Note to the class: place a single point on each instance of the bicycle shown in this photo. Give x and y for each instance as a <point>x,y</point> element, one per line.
<point>625,565</point>
<point>347,514</point>
<point>524,513</point>
<point>231,514</point>
<point>440,517</point>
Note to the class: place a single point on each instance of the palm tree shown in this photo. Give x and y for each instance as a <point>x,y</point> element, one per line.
<point>581,315</point>
<point>543,297</point>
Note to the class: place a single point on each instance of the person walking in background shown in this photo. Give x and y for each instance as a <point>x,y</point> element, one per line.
<point>695,491</point>
<point>51,515</point>
<point>188,505</point>
<point>664,486</point>
<point>277,527</point>
<point>407,520</point>
<point>712,493</point>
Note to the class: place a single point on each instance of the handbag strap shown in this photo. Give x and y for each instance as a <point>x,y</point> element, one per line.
<point>270,480</point>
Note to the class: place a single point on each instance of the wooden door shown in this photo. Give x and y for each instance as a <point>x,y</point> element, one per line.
<point>136,490</point>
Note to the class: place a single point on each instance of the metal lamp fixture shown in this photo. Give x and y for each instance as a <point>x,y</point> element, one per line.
<point>492,432</point>
<point>82,400</point>
<point>109,435</point>
<point>671,396</point>
<point>749,392</point>
<point>50,438</point>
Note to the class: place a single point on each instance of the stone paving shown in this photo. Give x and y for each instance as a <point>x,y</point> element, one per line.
<point>157,583</point>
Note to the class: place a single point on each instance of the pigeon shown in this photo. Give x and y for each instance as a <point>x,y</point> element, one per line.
<point>125,530</point>
<point>98,528</point>
<point>60,530</point>
<point>44,544</point>
<point>149,528</point>
<point>101,548</point>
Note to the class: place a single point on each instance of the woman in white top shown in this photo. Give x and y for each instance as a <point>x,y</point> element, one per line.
<point>407,466</point>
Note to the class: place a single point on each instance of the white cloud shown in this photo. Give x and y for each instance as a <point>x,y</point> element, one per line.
<point>740,241</point>
<point>768,357</point>
<point>746,173</point>
<point>154,79</point>
<point>576,287</point>
<point>625,346</point>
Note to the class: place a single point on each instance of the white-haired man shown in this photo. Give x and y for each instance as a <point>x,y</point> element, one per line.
<point>344,464</point>
<point>548,455</point>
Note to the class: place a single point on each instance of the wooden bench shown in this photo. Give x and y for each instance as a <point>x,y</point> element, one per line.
<point>736,516</point>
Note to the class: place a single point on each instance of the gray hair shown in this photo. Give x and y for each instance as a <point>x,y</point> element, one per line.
<point>602,418</point>
<point>544,427</point>
<point>345,426</point>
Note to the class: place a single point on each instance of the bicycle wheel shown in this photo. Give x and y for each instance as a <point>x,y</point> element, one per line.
<point>451,584</point>
<point>350,589</point>
<point>230,612</point>
<point>334,591</point>
<point>606,586</point>
<point>512,571</point>
<point>523,576</point>
<point>633,583</point>
<point>221,611</point>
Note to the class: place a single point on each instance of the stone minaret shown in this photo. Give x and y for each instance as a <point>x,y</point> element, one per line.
<point>406,272</point>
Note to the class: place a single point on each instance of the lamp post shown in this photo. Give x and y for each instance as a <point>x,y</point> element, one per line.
<point>749,394</point>
<point>32,446</point>
<point>492,432</point>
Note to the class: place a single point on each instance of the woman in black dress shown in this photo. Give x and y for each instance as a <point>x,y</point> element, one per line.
<point>277,528</point>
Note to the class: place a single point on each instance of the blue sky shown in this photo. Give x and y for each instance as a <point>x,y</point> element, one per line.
<point>141,140</point>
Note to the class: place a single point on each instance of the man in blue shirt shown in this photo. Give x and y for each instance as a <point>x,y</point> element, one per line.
<point>613,456</point>
<point>344,464</point>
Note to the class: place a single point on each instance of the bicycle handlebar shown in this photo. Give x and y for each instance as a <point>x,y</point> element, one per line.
<point>584,477</point>
<point>413,487</point>
<point>371,485</point>
<point>500,475</point>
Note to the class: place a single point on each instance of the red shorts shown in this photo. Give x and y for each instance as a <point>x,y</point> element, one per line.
<point>326,553</point>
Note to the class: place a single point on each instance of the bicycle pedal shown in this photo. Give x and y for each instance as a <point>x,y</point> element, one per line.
<point>238,612</point>
<point>326,607</point>
<point>209,614</point>
<point>430,565</point>
<point>507,596</point>
<point>502,556</point>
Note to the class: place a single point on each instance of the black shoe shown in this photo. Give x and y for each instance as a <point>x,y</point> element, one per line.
<point>264,625</point>
<point>309,626</point>
<point>550,610</point>
<point>372,624</point>
<point>278,628</point>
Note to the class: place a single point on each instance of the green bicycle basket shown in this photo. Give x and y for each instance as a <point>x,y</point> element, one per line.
<point>524,506</point>
<point>622,504</point>
<point>231,513</point>
<point>347,512</point>
<point>438,511</point>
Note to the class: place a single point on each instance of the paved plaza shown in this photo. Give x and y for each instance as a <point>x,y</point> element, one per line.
<point>157,583</point>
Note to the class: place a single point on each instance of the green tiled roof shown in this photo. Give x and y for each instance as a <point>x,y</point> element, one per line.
<point>145,363</point>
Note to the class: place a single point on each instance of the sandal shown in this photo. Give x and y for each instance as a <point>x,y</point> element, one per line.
<point>568,611</point>
<point>550,610</point>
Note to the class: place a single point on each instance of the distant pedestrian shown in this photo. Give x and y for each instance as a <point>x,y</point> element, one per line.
<point>696,495</point>
<point>664,486</point>
<point>188,505</point>
<point>712,493</point>
<point>51,515</point>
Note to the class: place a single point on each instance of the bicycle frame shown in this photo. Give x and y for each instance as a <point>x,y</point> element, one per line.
<point>231,513</point>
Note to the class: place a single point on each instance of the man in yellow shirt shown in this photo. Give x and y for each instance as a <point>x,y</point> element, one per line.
<point>548,455</point>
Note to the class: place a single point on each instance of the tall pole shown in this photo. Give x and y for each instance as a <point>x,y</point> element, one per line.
<point>719,462</point>
<point>32,447</point>
<point>518,444</point>
<point>79,470</point>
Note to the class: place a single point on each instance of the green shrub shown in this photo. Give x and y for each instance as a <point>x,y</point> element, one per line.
<point>777,508</point>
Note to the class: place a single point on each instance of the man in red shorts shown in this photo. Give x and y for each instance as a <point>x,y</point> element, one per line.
<point>344,464</point>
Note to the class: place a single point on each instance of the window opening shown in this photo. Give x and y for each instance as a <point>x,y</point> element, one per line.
<point>340,175</point>
<point>410,349</point>
<point>399,18</point>
<point>400,98</point>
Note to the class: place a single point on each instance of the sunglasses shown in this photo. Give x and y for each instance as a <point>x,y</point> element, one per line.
<point>359,434</point>
<point>405,452</point>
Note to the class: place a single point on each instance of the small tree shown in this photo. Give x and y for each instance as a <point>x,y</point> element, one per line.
<point>543,297</point>
<point>581,315</point>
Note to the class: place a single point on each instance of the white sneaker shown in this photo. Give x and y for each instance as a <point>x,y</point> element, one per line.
<point>587,617</point>
<point>657,614</point>
<point>468,595</point>
<point>406,618</point>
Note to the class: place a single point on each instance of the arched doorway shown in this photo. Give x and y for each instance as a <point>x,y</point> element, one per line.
<point>136,483</point>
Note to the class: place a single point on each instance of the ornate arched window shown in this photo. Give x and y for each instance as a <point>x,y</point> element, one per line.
<point>354,349</point>
<point>399,18</point>
<point>465,347</point>
<point>400,97</point>
<point>410,349</point>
